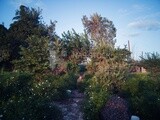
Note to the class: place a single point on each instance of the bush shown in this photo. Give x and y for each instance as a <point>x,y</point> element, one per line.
<point>60,84</point>
<point>109,68</point>
<point>144,96</point>
<point>31,107</point>
<point>14,84</point>
<point>97,96</point>
<point>24,97</point>
<point>83,85</point>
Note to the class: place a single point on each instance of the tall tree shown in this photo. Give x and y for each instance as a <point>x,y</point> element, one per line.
<point>27,22</point>
<point>100,29</point>
<point>4,48</point>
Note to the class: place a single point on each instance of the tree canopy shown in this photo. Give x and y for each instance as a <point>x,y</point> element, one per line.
<point>34,58</point>
<point>100,29</point>
<point>27,22</point>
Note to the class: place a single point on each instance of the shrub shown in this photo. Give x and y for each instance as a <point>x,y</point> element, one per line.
<point>151,61</point>
<point>23,97</point>
<point>14,84</point>
<point>60,84</point>
<point>144,96</point>
<point>109,68</point>
<point>31,107</point>
<point>96,97</point>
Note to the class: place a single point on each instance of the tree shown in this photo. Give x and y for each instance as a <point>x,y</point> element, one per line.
<point>4,44</point>
<point>27,22</point>
<point>4,48</point>
<point>75,43</point>
<point>72,48</point>
<point>100,29</point>
<point>109,69</point>
<point>151,61</point>
<point>35,57</point>
<point>109,66</point>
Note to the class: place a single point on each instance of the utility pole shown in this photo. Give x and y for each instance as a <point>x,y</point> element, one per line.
<point>129,46</point>
<point>129,49</point>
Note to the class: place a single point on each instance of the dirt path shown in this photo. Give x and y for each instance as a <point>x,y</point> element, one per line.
<point>71,108</point>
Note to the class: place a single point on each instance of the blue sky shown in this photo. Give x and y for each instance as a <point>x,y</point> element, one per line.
<point>136,20</point>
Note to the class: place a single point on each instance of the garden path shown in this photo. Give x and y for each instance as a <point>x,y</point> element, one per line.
<point>71,108</point>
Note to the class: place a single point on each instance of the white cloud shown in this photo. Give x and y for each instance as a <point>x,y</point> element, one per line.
<point>155,15</point>
<point>149,25</point>
<point>134,34</point>
<point>131,34</point>
<point>140,7</point>
<point>132,9</point>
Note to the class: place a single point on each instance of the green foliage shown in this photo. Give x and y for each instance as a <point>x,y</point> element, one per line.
<point>34,58</point>
<point>144,96</point>
<point>23,96</point>
<point>60,83</point>
<point>97,95</point>
<point>27,22</point>
<point>76,46</point>
<point>70,51</point>
<point>75,42</point>
<point>109,68</point>
<point>29,107</point>
<point>152,63</point>
<point>4,44</point>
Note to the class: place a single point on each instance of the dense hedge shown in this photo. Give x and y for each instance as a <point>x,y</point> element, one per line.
<point>143,93</point>
<point>23,96</point>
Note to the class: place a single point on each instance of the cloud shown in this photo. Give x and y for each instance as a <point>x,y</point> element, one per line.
<point>131,34</point>
<point>140,7</point>
<point>155,15</point>
<point>134,35</point>
<point>132,9</point>
<point>148,25</point>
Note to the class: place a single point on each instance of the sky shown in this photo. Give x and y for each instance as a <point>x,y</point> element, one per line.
<point>135,20</point>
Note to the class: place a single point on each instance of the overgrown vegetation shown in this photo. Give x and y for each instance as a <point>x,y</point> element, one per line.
<point>108,66</point>
<point>143,94</point>
<point>38,67</point>
<point>25,97</point>
<point>151,61</point>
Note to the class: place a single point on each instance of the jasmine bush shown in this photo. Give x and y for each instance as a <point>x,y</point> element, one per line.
<point>25,97</point>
